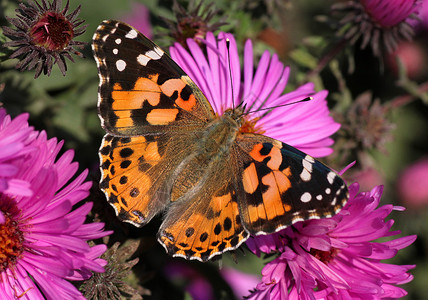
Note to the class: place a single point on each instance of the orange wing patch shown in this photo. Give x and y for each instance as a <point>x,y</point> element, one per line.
<point>203,233</point>
<point>161,116</point>
<point>125,163</point>
<point>263,184</point>
<point>174,88</point>
<point>250,179</point>
<point>144,90</point>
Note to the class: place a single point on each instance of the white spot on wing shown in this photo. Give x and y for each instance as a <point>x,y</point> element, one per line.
<point>120,65</point>
<point>115,51</point>
<point>310,158</point>
<point>143,60</point>
<point>305,175</point>
<point>159,51</point>
<point>328,191</point>
<point>306,197</point>
<point>330,177</point>
<point>319,197</point>
<point>156,53</point>
<point>118,41</point>
<point>307,169</point>
<point>132,34</point>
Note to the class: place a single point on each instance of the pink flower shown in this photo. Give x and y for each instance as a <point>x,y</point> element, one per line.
<point>15,142</point>
<point>423,13</point>
<point>388,13</point>
<point>43,241</point>
<point>412,184</point>
<point>335,258</point>
<point>421,22</point>
<point>241,283</point>
<point>413,57</point>
<point>382,24</point>
<point>306,126</point>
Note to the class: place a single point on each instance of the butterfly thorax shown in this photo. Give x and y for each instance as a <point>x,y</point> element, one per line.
<point>213,148</point>
<point>219,135</point>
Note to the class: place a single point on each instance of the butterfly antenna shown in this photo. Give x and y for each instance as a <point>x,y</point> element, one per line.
<point>230,72</point>
<point>282,105</point>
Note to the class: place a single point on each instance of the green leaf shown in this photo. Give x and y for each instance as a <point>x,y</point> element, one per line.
<point>303,58</point>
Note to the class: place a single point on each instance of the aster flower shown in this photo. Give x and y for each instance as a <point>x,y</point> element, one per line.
<point>423,15</point>
<point>306,126</point>
<point>379,23</point>
<point>44,36</point>
<point>15,142</point>
<point>42,239</point>
<point>336,258</point>
<point>193,22</point>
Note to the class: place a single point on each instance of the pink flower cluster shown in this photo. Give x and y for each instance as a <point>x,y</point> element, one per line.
<point>43,239</point>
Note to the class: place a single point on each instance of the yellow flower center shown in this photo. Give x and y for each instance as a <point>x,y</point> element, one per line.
<point>11,242</point>
<point>250,126</point>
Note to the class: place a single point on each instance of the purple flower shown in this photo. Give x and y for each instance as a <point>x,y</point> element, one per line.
<point>306,126</point>
<point>389,13</point>
<point>43,241</point>
<point>379,23</point>
<point>423,14</point>
<point>15,139</point>
<point>241,283</point>
<point>335,258</point>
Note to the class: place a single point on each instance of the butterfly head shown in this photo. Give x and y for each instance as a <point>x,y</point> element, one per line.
<point>246,123</point>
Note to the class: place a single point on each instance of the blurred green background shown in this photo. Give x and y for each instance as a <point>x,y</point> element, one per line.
<point>301,32</point>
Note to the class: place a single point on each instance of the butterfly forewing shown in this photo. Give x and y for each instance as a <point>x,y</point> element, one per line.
<point>142,90</point>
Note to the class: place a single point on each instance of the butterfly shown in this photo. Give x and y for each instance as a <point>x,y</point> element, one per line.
<point>166,151</point>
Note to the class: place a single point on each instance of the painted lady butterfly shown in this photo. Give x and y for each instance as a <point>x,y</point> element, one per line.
<point>166,150</point>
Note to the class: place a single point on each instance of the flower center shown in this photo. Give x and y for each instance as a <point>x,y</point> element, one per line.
<point>325,256</point>
<point>52,31</point>
<point>11,242</point>
<point>250,126</point>
<point>192,28</point>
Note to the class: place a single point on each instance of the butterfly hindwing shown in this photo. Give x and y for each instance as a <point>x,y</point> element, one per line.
<point>137,172</point>
<point>281,185</point>
<point>131,192</point>
<point>205,220</point>
<point>142,90</point>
